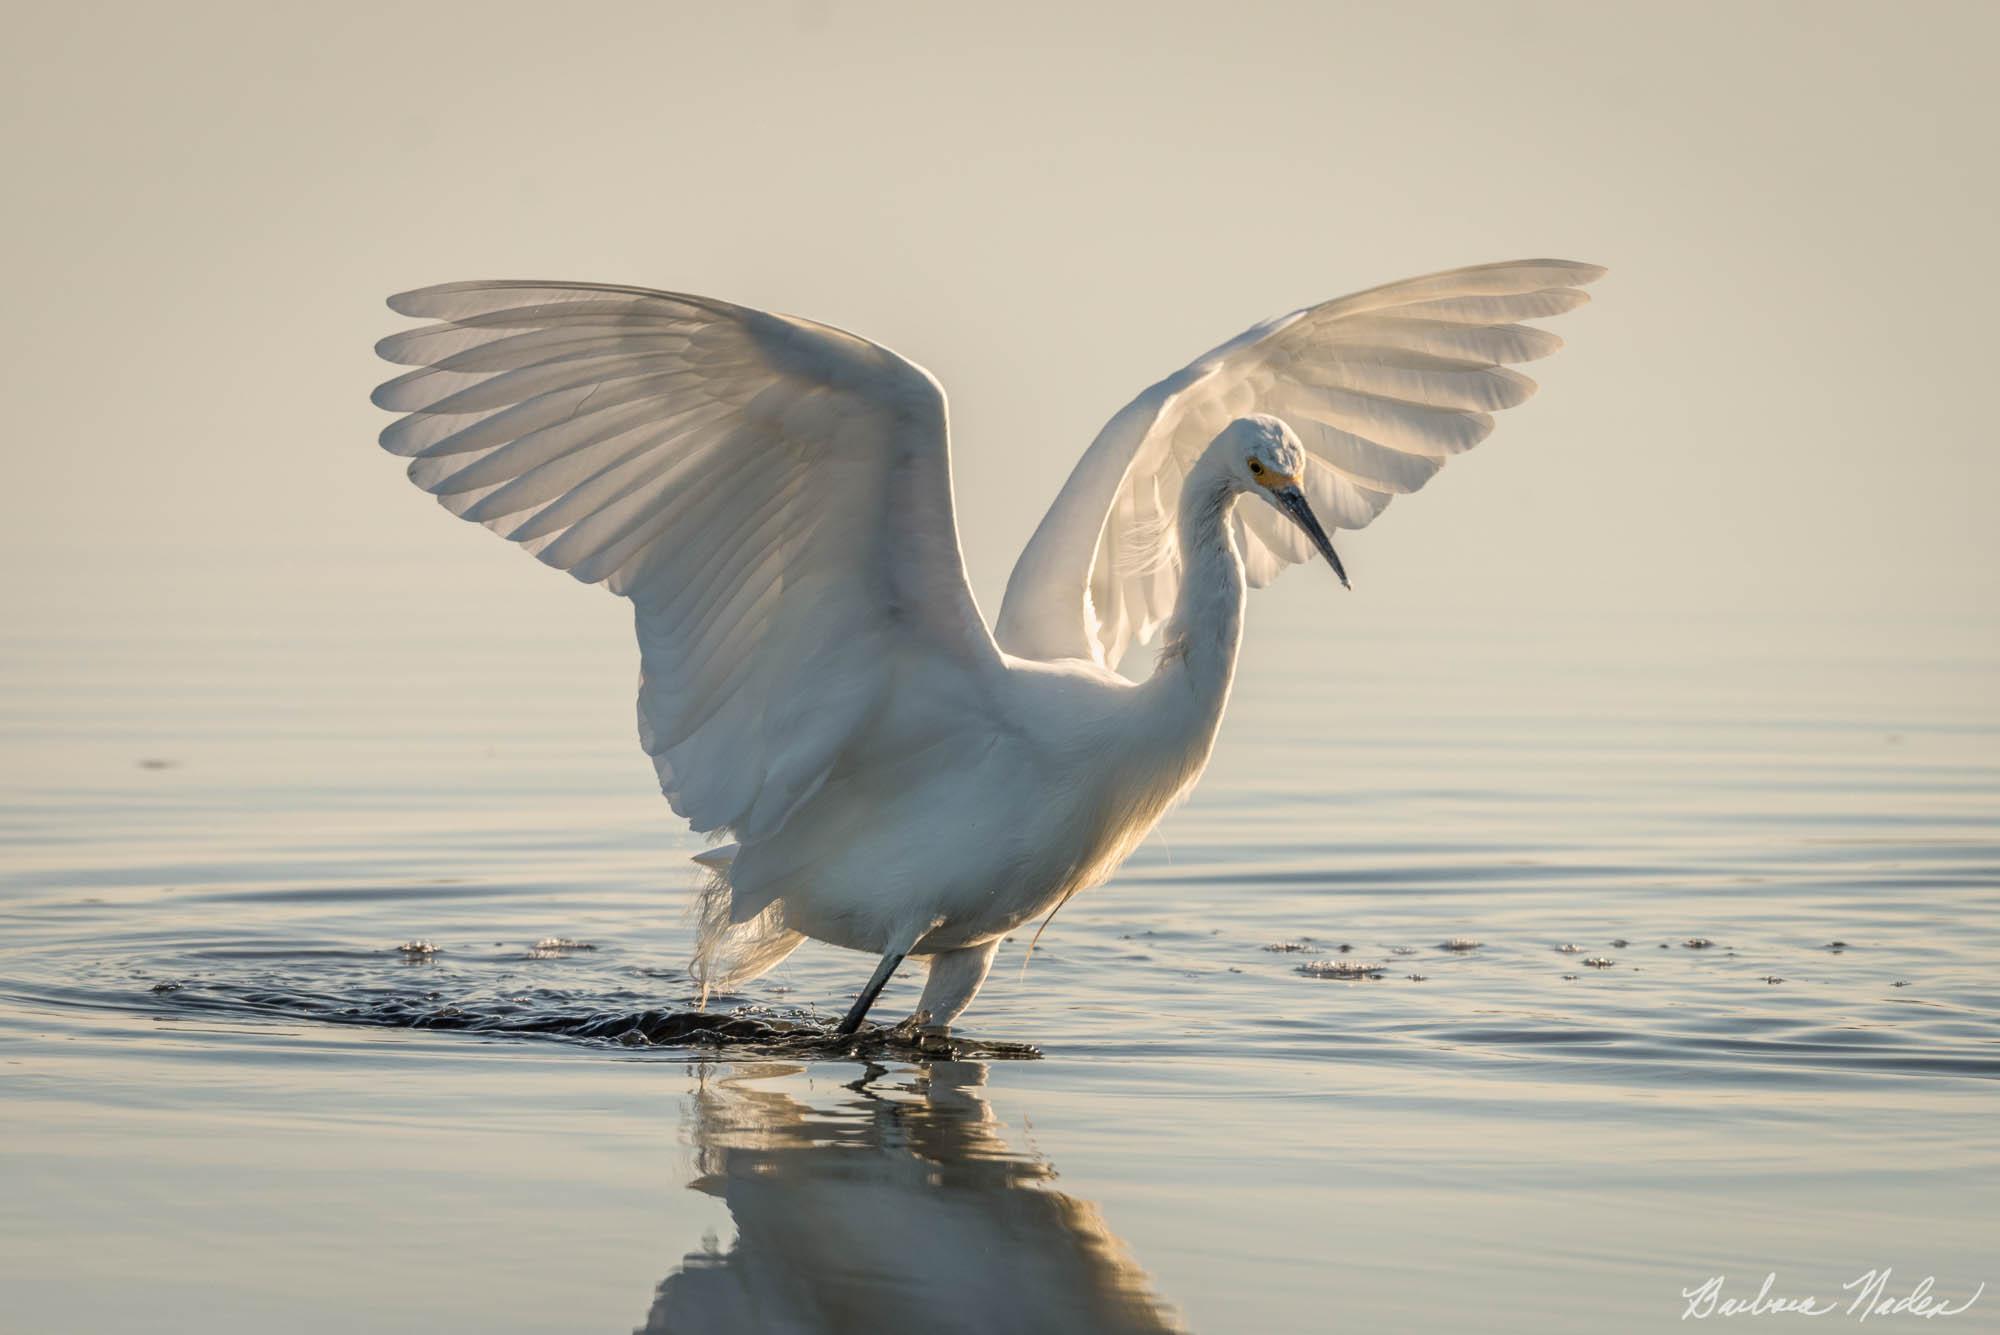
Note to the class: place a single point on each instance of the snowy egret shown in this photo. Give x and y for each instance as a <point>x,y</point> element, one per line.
<point>817,685</point>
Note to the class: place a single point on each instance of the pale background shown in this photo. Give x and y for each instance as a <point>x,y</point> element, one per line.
<point>1778,402</point>
<point>1701,644</point>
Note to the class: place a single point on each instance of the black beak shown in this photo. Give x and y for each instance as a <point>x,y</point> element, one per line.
<point>1293,502</point>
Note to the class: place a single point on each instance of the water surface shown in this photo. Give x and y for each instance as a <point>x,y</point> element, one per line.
<point>231,1099</point>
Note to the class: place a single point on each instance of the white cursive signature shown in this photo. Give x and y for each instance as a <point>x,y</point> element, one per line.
<point>1871,1297</point>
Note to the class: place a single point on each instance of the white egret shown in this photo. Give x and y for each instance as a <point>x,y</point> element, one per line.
<point>817,685</point>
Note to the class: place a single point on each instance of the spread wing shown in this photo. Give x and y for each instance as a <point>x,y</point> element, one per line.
<point>773,495</point>
<point>1382,387</point>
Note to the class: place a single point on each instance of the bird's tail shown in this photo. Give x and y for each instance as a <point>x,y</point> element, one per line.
<point>725,953</point>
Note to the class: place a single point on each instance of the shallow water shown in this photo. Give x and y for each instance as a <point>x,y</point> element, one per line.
<point>230,1099</point>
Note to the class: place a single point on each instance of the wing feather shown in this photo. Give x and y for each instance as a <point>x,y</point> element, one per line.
<point>1382,386</point>
<point>773,495</point>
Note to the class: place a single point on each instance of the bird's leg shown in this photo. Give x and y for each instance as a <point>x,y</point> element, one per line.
<point>859,1010</point>
<point>955,979</point>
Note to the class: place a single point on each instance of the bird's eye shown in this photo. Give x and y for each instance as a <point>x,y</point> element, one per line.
<point>1256,467</point>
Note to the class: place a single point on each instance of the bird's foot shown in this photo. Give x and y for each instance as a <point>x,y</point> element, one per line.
<point>917,1031</point>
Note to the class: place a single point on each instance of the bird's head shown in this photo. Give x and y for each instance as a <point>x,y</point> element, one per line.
<point>1265,458</point>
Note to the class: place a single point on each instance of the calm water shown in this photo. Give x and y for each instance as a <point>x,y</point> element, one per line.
<point>215,1115</point>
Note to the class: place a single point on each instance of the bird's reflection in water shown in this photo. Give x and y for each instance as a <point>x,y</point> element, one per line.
<point>901,1210</point>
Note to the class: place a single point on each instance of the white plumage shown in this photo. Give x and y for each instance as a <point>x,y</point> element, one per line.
<point>817,684</point>
<point>1382,386</point>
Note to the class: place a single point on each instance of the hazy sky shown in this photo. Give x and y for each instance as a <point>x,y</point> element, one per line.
<point>1777,400</point>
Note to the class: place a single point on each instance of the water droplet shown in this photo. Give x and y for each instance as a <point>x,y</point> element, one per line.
<point>1340,969</point>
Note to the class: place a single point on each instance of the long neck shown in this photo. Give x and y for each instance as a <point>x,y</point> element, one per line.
<point>1198,649</point>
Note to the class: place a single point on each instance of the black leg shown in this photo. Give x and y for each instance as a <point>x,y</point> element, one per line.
<point>859,1011</point>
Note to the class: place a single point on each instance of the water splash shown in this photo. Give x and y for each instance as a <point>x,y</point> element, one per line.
<point>758,1032</point>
